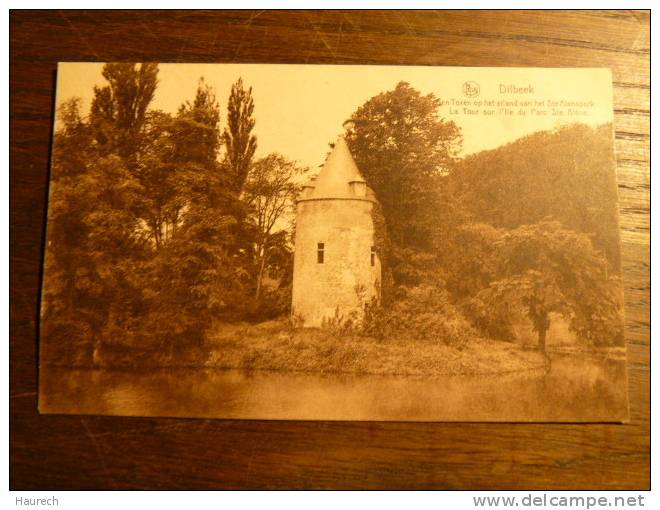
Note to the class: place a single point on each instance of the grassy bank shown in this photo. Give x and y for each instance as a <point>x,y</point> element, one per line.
<point>275,345</point>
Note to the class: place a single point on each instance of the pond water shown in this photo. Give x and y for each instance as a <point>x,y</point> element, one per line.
<point>576,388</point>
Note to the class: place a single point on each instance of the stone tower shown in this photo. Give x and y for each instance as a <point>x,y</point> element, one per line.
<point>336,268</point>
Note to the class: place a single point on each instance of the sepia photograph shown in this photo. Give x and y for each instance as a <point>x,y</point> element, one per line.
<point>333,242</point>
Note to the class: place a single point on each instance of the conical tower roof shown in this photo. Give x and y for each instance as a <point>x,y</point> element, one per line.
<point>337,174</point>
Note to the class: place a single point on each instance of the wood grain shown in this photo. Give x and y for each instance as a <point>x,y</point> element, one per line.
<point>69,452</point>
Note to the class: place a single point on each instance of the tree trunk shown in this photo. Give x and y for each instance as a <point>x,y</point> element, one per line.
<point>541,320</point>
<point>96,353</point>
<point>260,276</point>
<point>542,333</point>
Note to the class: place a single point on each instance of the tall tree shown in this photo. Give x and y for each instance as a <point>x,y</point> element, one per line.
<point>193,277</point>
<point>405,151</point>
<point>198,134</point>
<point>163,201</point>
<point>180,150</point>
<point>119,109</point>
<point>403,148</point>
<point>270,192</point>
<point>240,143</point>
<point>93,243</point>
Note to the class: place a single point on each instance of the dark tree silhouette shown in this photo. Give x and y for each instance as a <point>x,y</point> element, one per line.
<point>240,143</point>
<point>270,192</point>
<point>119,109</point>
<point>402,146</point>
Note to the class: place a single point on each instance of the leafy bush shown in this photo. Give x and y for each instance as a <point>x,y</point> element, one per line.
<point>423,312</point>
<point>599,321</point>
<point>494,319</point>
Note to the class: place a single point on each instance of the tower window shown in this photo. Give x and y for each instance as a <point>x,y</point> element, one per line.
<point>320,250</point>
<point>373,256</point>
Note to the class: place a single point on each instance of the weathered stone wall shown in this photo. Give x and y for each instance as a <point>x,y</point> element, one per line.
<point>345,227</point>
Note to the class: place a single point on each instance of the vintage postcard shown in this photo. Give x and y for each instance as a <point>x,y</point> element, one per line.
<point>333,243</point>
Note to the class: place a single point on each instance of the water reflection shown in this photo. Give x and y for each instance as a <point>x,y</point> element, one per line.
<point>574,390</point>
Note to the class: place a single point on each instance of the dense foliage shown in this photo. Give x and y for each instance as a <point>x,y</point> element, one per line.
<point>567,174</point>
<point>160,224</point>
<point>513,234</point>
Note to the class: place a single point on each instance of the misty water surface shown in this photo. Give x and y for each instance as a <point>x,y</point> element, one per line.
<point>584,389</point>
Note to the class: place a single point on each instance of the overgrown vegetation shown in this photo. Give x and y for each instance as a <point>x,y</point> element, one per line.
<point>163,226</point>
<point>160,223</point>
<point>277,345</point>
<point>509,234</point>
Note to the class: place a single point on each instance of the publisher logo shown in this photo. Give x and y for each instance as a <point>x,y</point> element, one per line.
<point>471,89</point>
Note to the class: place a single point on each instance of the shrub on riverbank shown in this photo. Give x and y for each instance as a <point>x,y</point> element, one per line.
<point>424,311</point>
<point>275,345</point>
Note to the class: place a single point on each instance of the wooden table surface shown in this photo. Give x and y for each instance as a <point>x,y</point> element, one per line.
<point>73,452</point>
